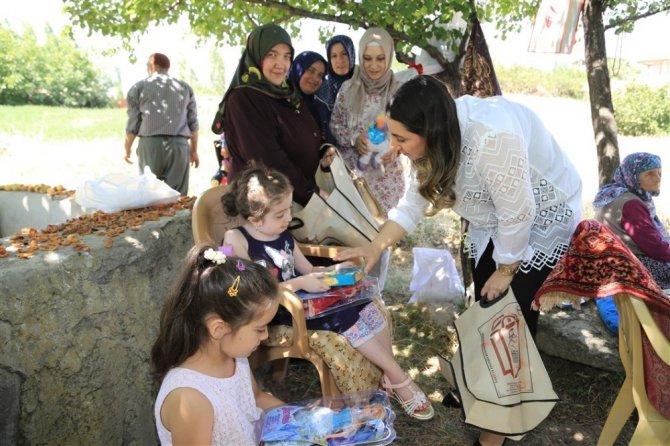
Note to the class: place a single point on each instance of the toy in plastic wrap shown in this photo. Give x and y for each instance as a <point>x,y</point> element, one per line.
<point>343,276</point>
<point>378,143</point>
<point>327,302</point>
<point>362,418</point>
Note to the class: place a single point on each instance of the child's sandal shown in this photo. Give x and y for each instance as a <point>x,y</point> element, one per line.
<point>410,406</point>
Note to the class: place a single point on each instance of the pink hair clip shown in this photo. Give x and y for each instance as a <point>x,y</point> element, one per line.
<point>240,266</point>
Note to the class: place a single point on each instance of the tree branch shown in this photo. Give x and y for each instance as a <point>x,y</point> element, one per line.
<point>280,5</point>
<point>630,19</point>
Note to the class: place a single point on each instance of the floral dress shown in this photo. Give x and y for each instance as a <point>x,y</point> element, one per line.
<point>387,185</point>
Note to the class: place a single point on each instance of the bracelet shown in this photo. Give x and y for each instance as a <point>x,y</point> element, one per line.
<point>508,270</point>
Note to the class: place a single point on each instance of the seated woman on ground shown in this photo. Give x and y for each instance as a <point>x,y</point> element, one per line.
<point>626,206</point>
<point>263,198</point>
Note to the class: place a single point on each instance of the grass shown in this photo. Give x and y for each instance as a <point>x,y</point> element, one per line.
<point>61,123</point>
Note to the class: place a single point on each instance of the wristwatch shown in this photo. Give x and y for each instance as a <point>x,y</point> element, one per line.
<point>508,270</point>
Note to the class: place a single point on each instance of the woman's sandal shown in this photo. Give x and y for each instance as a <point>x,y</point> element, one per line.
<point>410,406</point>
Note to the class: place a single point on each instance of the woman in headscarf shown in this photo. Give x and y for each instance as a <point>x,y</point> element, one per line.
<point>306,74</point>
<point>626,206</point>
<point>359,102</point>
<point>264,117</point>
<point>341,60</point>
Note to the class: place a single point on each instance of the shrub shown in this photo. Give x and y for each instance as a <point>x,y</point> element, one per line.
<point>563,81</point>
<point>54,73</point>
<point>642,110</point>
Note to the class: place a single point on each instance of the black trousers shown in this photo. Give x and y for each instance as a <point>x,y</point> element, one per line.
<point>524,285</point>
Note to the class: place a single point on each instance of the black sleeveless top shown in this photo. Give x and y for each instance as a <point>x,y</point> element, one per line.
<point>277,256</point>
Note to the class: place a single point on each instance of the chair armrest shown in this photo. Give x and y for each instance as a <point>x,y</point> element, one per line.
<point>293,304</point>
<point>325,251</point>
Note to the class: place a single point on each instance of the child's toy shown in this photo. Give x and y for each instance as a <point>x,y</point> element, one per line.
<point>320,304</point>
<point>223,156</point>
<point>347,419</point>
<point>343,276</point>
<point>378,143</point>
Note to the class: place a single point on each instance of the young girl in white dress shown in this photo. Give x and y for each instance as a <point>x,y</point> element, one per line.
<point>214,319</point>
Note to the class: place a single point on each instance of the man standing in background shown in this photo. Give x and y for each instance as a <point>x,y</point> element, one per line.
<point>162,112</point>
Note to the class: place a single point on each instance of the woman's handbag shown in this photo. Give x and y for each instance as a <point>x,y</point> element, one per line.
<point>497,369</point>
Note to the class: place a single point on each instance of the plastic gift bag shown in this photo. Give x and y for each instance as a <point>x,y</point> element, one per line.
<point>119,191</point>
<point>434,277</point>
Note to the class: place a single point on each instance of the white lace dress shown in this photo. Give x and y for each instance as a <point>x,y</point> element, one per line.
<point>236,416</point>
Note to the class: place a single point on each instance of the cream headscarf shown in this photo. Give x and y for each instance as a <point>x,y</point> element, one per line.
<point>361,84</point>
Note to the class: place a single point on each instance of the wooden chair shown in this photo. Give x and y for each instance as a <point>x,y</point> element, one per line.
<point>635,320</point>
<point>341,367</point>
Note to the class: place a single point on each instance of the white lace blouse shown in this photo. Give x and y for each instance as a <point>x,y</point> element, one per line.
<point>514,185</point>
<point>236,416</point>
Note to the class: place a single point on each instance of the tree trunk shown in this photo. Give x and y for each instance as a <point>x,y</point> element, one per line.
<point>600,94</point>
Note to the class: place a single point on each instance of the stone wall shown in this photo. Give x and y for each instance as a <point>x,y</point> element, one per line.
<point>76,330</point>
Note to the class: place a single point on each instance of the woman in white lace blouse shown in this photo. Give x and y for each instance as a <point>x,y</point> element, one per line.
<point>494,163</point>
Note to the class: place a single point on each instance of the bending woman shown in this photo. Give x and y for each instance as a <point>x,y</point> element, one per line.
<point>494,163</point>
<point>626,206</point>
<point>264,117</point>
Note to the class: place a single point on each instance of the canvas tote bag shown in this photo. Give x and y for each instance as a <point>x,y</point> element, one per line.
<point>349,217</point>
<point>497,369</point>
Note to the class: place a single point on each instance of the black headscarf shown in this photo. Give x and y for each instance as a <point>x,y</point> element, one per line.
<point>249,71</point>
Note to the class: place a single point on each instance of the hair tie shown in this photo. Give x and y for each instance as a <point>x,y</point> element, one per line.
<point>216,257</point>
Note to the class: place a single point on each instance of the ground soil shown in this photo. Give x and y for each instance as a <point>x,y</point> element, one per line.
<point>586,394</point>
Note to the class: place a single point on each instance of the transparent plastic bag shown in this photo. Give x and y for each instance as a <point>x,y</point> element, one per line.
<point>347,419</point>
<point>434,277</point>
<point>120,191</point>
<point>337,298</point>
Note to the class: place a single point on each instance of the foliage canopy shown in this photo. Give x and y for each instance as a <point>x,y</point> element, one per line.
<point>410,22</point>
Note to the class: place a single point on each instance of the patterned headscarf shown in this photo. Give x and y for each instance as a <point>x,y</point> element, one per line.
<point>361,84</point>
<point>627,179</point>
<point>301,64</point>
<point>249,71</point>
<point>333,81</point>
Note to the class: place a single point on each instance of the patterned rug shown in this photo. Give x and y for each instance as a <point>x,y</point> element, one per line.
<point>598,265</point>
